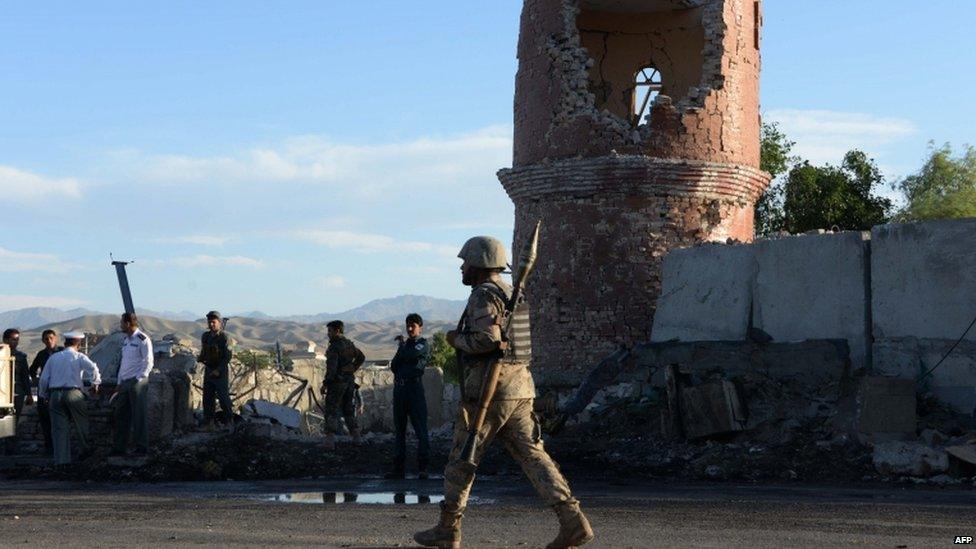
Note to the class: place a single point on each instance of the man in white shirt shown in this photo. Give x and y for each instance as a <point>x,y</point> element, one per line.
<point>131,398</point>
<point>61,384</point>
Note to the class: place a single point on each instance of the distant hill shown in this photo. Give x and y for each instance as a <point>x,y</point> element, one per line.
<point>374,338</point>
<point>391,309</point>
<point>26,319</point>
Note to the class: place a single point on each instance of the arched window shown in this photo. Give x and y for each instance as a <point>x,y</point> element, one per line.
<point>646,87</point>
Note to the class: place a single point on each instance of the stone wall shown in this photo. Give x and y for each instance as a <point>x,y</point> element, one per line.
<point>615,194</point>
<point>901,297</point>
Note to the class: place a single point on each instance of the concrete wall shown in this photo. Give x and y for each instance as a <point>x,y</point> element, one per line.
<point>814,287</point>
<point>924,298</point>
<point>706,294</point>
<point>901,298</point>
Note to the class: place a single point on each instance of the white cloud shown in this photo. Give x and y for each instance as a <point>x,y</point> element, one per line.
<point>201,260</point>
<point>332,282</point>
<point>825,136</point>
<point>370,243</point>
<point>13,302</point>
<point>316,159</point>
<point>22,186</point>
<point>200,240</point>
<point>11,262</point>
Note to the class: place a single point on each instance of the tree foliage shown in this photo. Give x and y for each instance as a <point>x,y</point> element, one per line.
<point>944,188</point>
<point>775,158</point>
<point>444,357</point>
<point>842,197</point>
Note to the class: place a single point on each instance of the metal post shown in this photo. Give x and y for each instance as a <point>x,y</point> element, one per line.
<point>124,285</point>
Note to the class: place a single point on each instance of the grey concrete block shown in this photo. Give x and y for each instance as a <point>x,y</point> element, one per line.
<point>813,287</point>
<point>887,408</point>
<point>706,294</point>
<point>924,279</point>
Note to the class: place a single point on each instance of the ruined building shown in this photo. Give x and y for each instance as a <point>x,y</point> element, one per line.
<point>636,131</point>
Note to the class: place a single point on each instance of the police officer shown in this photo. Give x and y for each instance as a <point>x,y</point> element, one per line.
<point>215,356</point>
<point>409,400</point>
<point>342,359</point>
<point>509,416</point>
<point>61,384</point>
<point>131,397</point>
<point>22,385</point>
<point>50,340</point>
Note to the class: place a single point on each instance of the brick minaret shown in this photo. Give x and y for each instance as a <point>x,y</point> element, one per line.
<point>636,131</point>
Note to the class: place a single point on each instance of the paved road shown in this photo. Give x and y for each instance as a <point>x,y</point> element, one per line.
<point>623,515</point>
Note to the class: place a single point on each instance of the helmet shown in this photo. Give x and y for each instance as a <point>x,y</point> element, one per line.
<point>484,251</point>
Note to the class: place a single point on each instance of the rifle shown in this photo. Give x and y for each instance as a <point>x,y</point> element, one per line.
<point>490,381</point>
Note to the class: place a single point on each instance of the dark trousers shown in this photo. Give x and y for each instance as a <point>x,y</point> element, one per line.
<point>340,396</point>
<point>131,408</point>
<point>214,389</point>
<point>410,402</point>
<point>44,418</point>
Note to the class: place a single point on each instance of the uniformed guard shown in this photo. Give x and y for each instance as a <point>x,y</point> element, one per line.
<point>22,385</point>
<point>409,400</point>
<point>62,383</point>
<point>130,401</point>
<point>478,339</point>
<point>50,340</point>
<point>215,354</point>
<point>342,359</point>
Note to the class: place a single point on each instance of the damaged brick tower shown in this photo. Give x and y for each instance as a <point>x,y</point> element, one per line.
<point>636,131</point>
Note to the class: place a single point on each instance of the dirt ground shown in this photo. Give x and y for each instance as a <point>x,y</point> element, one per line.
<point>624,514</point>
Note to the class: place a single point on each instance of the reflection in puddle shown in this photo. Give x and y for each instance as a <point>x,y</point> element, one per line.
<point>375,498</point>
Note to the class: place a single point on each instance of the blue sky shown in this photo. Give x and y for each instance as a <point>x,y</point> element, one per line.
<point>300,157</point>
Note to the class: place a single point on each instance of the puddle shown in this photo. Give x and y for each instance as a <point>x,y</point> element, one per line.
<point>358,498</point>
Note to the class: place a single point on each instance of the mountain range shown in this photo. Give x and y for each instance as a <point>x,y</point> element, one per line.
<point>392,309</point>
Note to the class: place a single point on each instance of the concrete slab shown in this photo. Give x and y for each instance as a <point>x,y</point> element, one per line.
<point>289,417</point>
<point>887,408</point>
<point>814,287</point>
<point>706,294</point>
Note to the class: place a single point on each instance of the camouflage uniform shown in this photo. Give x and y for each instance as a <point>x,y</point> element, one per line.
<point>342,359</point>
<point>215,354</point>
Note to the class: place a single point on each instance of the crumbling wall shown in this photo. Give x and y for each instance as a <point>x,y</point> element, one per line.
<point>923,278</point>
<point>614,195</point>
<point>900,297</point>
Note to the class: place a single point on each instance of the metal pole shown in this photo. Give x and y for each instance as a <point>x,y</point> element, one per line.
<point>124,285</point>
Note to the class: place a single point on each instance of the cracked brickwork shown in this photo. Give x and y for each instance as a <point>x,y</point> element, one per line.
<point>613,196</point>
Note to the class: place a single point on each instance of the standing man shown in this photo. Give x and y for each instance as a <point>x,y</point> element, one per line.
<point>61,384</point>
<point>215,356</point>
<point>22,384</point>
<point>478,340</point>
<point>50,340</point>
<point>409,400</point>
<point>342,359</point>
<point>131,398</point>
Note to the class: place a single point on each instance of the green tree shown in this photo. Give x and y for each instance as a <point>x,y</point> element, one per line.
<point>945,187</point>
<point>258,360</point>
<point>444,357</point>
<point>775,158</point>
<point>822,197</point>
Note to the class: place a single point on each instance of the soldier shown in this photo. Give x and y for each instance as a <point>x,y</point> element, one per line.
<point>342,359</point>
<point>215,356</point>
<point>61,384</point>
<point>22,385</point>
<point>50,340</point>
<point>131,396</point>
<point>409,400</point>
<point>478,338</point>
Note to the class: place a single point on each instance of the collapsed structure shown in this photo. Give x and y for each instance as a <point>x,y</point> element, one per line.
<point>636,131</point>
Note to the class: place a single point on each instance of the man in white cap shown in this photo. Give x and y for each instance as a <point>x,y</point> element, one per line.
<point>62,384</point>
<point>132,391</point>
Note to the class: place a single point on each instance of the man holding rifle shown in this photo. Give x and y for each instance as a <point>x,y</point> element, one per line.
<point>493,345</point>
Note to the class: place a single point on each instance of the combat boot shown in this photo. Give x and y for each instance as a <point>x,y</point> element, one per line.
<point>329,442</point>
<point>446,535</point>
<point>357,437</point>
<point>574,529</point>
